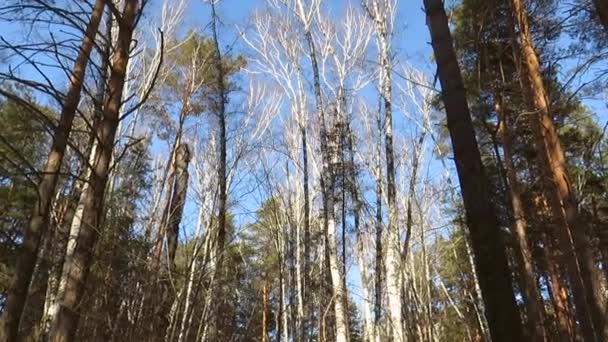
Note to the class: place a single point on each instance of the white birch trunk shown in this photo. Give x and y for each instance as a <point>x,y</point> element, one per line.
<point>368,327</point>
<point>71,245</point>
<point>382,12</point>
<point>337,283</point>
<point>191,275</point>
<point>479,305</point>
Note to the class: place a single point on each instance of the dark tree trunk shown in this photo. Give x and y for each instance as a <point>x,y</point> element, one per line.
<point>601,8</point>
<point>306,320</point>
<point>490,256</point>
<point>178,200</point>
<point>220,101</point>
<point>172,168</point>
<point>175,209</point>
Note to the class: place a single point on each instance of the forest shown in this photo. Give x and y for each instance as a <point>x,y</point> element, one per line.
<point>304,170</point>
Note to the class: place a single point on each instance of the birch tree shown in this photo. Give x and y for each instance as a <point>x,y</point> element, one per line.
<point>382,14</point>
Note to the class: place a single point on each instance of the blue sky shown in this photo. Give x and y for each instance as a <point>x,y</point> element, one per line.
<point>411,38</point>
<point>411,35</point>
<point>411,43</point>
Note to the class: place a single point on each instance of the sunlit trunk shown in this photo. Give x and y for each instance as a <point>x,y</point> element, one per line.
<point>534,304</point>
<point>393,245</point>
<point>571,233</point>
<point>79,264</point>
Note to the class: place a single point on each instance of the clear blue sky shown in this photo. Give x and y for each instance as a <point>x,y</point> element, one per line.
<point>411,41</point>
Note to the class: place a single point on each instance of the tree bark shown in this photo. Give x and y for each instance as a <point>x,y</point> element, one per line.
<point>379,265</point>
<point>534,304</point>
<point>393,254</point>
<point>70,245</point>
<point>393,275</point>
<point>172,169</point>
<point>79,265</point>
<point>601,8</point>
<point>178,200</point>
<point>573,238</point>
<point>559,292</point>
<point>38,224</point>
<point>305,290</point>
<point>327,186</point>
<point>220,101</point>
<point>368,326</point>
<point>490,256</point>
<point>475,295</point>
<point>175,208</point>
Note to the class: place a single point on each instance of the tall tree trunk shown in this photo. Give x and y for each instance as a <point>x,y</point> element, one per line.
<point>305,290</point>
<point>178,200</point>
<point>368,326</point>
<point>574,241</point>
<point>393,254</point>
<point>75,221</point>
<point>327,186</point>
<point>170,226</point>
<point>393,275</point>
<point>379,265</point>
<point>339,299</point>
<point>220,101</point>
<point>409,220</point>
<point>559,292</point>
<point>66,322</point>
<point>292,242</point>
<point>162,268</point>
<point>490,256</point>
<point>428,307</point>
<point>70,245</point>
<point>172,169</point>
<point>37,226</point>
<point>191,291</point>
<point>65,245</point>
<point>534,304</point>
<point>475,292</point>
